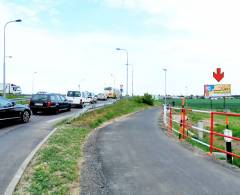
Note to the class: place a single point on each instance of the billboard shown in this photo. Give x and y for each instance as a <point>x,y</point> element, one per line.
<point>217,90</point>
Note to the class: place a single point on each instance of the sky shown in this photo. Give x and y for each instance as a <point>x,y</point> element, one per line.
<point>62,45</point>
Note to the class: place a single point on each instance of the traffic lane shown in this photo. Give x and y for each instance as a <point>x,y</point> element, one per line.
<point>16,144</point>
<point>18,140</point>
<point>14,125</point>
<point>40,117</point>
<point>138,158</point>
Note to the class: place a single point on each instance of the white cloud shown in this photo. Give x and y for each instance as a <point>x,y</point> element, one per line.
<point>211,37</point>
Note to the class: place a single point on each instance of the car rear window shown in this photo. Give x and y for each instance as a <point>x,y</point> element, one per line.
<point>40,97</point>
<point>74,94</point>
<point>62,97</point>
<point>53,98</point>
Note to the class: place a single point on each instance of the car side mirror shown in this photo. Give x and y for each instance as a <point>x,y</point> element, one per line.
<point>13,103</point>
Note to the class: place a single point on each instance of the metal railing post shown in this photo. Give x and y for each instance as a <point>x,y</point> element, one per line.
<point>170,121</point>
<point>211,132</point>
<point>165,114</point>
<point>228,141</point>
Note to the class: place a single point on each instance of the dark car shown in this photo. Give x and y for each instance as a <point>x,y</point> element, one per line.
<point>49,102</point>
<point>11,111</point>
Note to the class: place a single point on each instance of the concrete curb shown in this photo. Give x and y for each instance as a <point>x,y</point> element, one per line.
<point>12,185</point>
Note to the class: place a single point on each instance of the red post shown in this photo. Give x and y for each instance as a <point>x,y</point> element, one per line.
<point>183,124</point>
<point>162,117</point>
<point>211,133</point>
<point>227,122</point>
<point>170,121</point>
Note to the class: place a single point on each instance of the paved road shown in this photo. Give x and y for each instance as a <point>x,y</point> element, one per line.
<point>18,140</point>
<point>139,159</point>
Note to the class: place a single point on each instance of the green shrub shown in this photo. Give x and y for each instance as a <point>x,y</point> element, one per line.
<point>148,99</point>
<point>138,99</point>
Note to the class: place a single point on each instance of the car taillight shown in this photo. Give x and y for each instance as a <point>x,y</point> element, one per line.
<point>49,103</point>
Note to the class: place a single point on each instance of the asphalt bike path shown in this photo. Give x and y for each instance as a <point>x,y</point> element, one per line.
<point>138,158</point>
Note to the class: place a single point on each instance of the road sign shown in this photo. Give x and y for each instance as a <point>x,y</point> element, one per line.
<point>227,132</point>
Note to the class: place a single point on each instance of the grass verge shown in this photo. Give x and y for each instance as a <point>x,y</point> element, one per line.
<point>55,168</point>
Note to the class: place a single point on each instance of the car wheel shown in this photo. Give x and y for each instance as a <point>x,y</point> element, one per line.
<point>25,116</point>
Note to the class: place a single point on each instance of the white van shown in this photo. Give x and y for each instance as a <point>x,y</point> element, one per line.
<point>75,98</point>
<point>11,88</point>
<point>86,98</point>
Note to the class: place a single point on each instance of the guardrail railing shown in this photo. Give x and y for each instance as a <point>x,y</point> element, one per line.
<point>90,107</point>
<point>178,120</point>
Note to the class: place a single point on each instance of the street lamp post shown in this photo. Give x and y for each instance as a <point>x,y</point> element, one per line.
<point>165,99</point>
<point>9,57</point>
<point>127,68</point>
<point>132,78</point>
<point>4,54</point>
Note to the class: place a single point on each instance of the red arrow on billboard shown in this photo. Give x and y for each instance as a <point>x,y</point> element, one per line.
<point>218,75</point>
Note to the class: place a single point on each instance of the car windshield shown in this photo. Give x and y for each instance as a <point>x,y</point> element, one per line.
<point>74,94</point>
<point>40,97</point>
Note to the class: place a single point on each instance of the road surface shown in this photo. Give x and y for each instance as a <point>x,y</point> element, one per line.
<point>137,158</point>
<point>18,140</point>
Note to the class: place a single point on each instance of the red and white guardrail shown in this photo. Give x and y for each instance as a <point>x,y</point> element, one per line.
<point>175,119</point>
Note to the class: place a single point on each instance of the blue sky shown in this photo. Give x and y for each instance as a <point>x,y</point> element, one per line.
<point>73,42</point>
<point>83,16</point>
<point>87,16</point>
